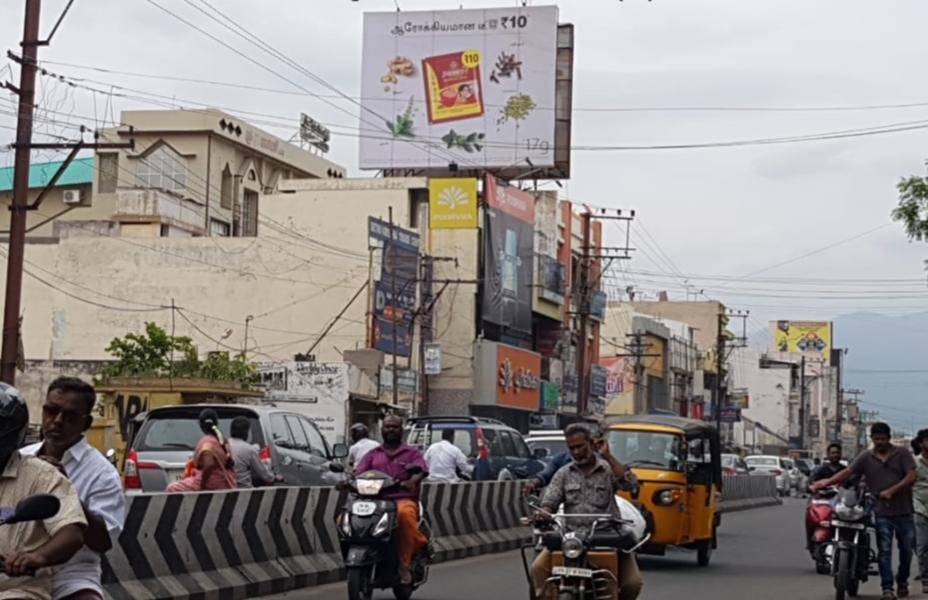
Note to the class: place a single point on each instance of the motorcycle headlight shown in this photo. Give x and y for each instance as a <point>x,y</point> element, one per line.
<point>369,487</point>
<point>849,513</point>
<point>382,524</point>
<point>572,548</point>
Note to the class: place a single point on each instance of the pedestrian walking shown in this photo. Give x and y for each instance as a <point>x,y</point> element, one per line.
<point>920,503</point>
<point>888,471</point>
<point>446,460</point>
<point>32,545</point>
<point>66,416</point>
<point>361,443</point>
<point>250,470</point>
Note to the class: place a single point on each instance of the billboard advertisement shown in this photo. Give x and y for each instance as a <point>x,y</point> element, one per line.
<point>395,290</point>
<point>508,246</point>
<point>473,87</point>
<point>804,337</point>
<point>453,203</point>
<point>318,390</point>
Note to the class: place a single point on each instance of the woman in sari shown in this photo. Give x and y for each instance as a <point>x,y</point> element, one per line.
<point>211,465</point>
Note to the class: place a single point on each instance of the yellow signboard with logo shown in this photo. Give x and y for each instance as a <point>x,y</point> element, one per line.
<point>806,337</point>
<point>453,203</point>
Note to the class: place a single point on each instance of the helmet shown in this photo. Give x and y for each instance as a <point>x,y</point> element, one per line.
<point>359,431</point>
<point>14,416</point>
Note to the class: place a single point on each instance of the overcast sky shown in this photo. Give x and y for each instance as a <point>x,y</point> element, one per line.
<point>727,212</point>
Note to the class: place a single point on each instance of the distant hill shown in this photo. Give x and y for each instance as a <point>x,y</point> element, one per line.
<point>888,359</point>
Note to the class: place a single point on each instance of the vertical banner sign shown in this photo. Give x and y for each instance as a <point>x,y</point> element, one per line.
<point>475,87</point>
<point>508,246</point>
<point>399,278</point>
<point>453,203</point>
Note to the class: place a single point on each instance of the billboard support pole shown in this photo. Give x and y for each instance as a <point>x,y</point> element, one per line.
<point>802,402</point>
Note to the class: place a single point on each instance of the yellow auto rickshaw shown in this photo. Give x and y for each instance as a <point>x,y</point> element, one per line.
<point>678,465</point>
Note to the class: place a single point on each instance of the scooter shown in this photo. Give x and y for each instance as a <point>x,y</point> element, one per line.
<point>31,508</point>
<point>819,513</point>
<point>366,526</point>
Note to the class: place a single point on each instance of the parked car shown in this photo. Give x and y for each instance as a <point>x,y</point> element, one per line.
<point>795,475</point>
<point>290,444</point>
<point>545,444</point>
<point>772,465</point>
<point>806,467</point>
<point>733,464</point>
<point>497,450</point>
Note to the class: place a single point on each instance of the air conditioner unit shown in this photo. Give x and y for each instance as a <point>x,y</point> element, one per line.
<point>71,196</point>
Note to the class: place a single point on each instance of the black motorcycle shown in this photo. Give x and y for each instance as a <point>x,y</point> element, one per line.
<point>851,554</point>
<point>366,526</point>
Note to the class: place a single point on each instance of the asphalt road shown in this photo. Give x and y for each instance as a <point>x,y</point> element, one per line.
<point>760,557</point>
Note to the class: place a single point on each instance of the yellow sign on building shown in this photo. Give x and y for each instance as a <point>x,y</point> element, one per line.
<point>453,203</point>
<point>806,337</point>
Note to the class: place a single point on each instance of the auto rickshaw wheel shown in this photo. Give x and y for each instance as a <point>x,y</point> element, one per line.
<point>704,553</point>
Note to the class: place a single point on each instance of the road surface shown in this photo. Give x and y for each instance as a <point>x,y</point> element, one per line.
<point>760,557</point>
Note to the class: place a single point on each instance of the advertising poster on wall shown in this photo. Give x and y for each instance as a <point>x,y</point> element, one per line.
<point>473,87</point>
<point>508,242</point>
<point>812,338</point>
<point>395,289</point>
<point>317,390</point>
<point>453,203</point>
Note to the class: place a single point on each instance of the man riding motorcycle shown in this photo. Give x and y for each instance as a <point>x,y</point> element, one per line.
<point>587,485</point>
<point>393,458</point>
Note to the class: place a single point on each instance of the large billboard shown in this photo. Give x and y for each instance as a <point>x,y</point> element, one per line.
<point>508,247</point>
<point>476,88</point>
<point>395,289</point>
<point>805,337</point>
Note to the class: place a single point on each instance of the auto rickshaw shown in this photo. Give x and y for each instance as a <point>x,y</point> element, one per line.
<point>678,465</point>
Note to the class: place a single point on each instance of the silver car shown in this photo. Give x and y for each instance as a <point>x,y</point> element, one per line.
<point>772,465</point>
<point>290,444</point>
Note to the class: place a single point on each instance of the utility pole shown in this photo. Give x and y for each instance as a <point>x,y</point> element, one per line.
<point>393,303</point>
<point>585,298</point>
<point>19,205</point>
<point>837,359</point>
<point>802,402</point>
<point>720,368</point>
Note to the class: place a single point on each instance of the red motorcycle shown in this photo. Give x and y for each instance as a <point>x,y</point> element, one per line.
<point>819,532</point>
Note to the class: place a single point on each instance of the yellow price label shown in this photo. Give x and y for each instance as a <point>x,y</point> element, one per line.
<point>470,58</point>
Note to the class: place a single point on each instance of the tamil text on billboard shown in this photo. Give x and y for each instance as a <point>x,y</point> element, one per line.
<point>508,241</point>
<point>812,338</point>
<point>471,87</point>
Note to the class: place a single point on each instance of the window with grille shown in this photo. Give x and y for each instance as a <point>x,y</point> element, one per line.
<point>162,169</point>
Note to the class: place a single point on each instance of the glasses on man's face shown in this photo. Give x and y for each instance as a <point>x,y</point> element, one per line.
<point>54,411</point>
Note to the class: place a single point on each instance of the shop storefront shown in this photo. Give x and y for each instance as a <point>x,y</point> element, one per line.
<point>508,383</point>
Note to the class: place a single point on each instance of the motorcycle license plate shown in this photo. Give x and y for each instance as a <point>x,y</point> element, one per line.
<point>572,572</point>
<point>363,509</point>
<point>848,525</point>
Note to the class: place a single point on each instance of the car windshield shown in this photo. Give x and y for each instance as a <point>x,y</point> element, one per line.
<point>180,430</point>
<point>554,447</point>
<point>761,461</point>
<point>647,449</point>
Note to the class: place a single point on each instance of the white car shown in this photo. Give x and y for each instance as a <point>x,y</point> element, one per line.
<point>546,443</point>
<point>772,465</point>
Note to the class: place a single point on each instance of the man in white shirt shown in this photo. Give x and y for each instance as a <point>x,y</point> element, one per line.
<point>446,460</point>
<point>361,443</point>
<point>66,415</point>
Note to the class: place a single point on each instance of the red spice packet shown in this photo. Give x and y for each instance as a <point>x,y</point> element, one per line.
<point>452,86</point>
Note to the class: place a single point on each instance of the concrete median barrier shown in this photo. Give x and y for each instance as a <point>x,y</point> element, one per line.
<point>741,492</point>
<point>243,544</point>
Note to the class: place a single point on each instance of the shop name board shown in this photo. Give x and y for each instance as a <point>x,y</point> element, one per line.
<point>516,378</point>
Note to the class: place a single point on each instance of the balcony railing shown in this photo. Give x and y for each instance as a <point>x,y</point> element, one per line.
<point>147,206</point>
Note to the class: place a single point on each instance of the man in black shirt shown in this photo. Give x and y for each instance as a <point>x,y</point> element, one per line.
<point>832,467</point>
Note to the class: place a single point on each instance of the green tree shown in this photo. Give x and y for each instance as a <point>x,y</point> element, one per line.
<point>912,209</point>
<point>155,353</point>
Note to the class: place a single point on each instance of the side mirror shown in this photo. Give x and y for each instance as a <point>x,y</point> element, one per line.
<point>111,456</point>
<point>340,450</point>
<point>34,508</point>
<point>541,453</point>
